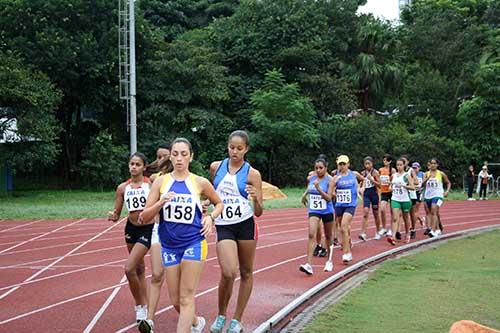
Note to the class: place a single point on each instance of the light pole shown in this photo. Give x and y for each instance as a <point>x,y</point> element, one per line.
<point>133,108</point>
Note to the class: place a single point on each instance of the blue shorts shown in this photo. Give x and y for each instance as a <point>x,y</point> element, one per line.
<point>194,252</point>
<point>340,211</point>
<point>434,201</point>
<point>370,198</point>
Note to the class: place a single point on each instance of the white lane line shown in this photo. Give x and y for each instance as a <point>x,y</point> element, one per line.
<point>103,308</point>
<point>40,236</point>
<point>21,225</point>
<point>60,259</point>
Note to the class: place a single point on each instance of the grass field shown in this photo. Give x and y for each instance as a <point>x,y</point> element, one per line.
<point>58,204</point>
<point>425,292</point>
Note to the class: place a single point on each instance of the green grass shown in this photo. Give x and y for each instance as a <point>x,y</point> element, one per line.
<point>58,204</point>
<point>425,292</point>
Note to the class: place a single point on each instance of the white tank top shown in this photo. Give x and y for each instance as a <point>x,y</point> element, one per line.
<point>399,192</point>
<point>413,193</point>
<point>230,188</point>
<point>434,187</point>
<point>135,197</point>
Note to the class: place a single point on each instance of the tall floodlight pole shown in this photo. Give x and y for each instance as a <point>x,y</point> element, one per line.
<point>133,108</point>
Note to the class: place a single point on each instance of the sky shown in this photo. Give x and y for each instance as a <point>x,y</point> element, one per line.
<point>384,9</point>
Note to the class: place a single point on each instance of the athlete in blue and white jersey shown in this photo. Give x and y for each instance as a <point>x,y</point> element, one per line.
<point>240,188</point>
<point>176,197</point>
<point>345,185</point>
<point>318,198</point>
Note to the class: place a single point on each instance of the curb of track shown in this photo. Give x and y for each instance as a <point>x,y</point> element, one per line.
<point>269,325</point>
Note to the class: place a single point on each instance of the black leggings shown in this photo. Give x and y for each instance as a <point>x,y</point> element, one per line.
<point>482,190</point>
<point>470,189</point>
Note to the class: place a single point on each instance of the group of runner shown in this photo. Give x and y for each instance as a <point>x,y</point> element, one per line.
<point>171,213</point>
<point>332,198</point>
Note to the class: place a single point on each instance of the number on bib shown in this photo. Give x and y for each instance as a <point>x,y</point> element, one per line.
<point>180,210</point>
<point>385,180</point>
<point>136,203</point>
<point>231,212</point>
<point>316,202</point>
<point>344,196</point>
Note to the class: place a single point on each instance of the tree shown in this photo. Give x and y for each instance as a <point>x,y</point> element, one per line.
<point>28,99</point>
<point>281,115</point>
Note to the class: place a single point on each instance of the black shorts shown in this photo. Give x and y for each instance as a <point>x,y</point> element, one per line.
<point>325,218</point>
<point>386,196</point>
<point>246,230</point>
<point>138,234</point>
<point>419,196</point>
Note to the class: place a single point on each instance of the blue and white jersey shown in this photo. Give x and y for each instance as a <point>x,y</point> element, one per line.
<point>317,204</point>
<point>180,218</point>
<point>369,185</point>
<point>420,178</point>
<point>232,191</point>
<point>347,190</point>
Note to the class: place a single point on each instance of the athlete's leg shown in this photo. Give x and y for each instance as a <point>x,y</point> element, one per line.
<point>157,278</point>
<point>313,229</point>
<point>190,272</point>
<point>346,232</point>
<point>246,255</point>
<point>135,272</point>
<point>227,254</point>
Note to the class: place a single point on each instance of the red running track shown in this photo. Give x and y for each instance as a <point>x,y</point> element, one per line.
<point>67,275</point>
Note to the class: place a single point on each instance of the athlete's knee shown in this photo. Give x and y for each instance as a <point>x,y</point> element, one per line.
<point>186,298</point>
<point>140,269</point>
<point>157,276</point>
<point>345,227</point>
<point>246,274</point>
<point>130,270</point>
<point>229,273</point>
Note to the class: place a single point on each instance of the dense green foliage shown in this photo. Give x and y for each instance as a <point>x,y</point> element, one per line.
<point>314,75</point>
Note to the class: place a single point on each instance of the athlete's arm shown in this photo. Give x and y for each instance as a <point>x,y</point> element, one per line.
<point>448,184</point>
<point>361,180</point>
<point>254,190</point>
<point>324,195</point>
<point>375,178</point>
<point>154,202</point>
<point>208,191</point>
<point>114,215</point>
<point>213,169</point>
<point>426,178</point>
<point>411,182</point>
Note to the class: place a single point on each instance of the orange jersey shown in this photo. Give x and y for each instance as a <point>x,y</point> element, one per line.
<point>385,179</point>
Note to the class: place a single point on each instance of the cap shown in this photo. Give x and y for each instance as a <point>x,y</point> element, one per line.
<point>485,167</point>
<point>343,159</point>
<point>415,165</point>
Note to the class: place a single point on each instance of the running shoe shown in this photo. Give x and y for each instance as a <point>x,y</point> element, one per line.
<point>335,241</point>
<point>322,253</point>
<point>377,236</point>
<point>440,226</point>
<point>362,237</point>
<point>437,233</point>
<point>398,235</point>
<point>329,266</point>
<point>382,232</point>
<point>306,268</point>
<point>389,233</point>
<point>141,312</point>
<point>346,257</point>
<point>391,241</point>
<point>218,325</point>
<point>316,250</point>
<point>201,325</point>
<point>413,234</point>
<point>427,231</point>
<point>146,326</point>
<point>234,327</point>
<point>431,234</point>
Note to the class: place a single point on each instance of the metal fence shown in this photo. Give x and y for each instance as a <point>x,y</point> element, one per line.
<point>493,186</point>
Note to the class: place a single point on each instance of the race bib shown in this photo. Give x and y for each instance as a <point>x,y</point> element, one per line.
<point>344,196</point>
<point>432,183</point>
<point>135,199</point>
<point>385,180</point>
<point>232,210</point>
<point>368,183</point>
<point>398,190</point>
<point>181,209</point>
<point>316,202</point>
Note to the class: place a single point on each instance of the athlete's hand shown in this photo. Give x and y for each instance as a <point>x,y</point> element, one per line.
<point>445,194</point>
<point>304,200</point>
<point>204,206</point>
<point>370,177</point>
<point>167,197</point>
<point>207,225</point>
<point>316,184</point>
<point>252,191</point>
<point>113,216</point>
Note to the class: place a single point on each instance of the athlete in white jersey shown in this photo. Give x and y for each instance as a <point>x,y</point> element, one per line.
<point>240,189</point>
<point>133,193</point>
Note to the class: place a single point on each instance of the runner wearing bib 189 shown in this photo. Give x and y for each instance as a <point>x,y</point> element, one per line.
<point>133,193</point>
<point>240,188</point>
<point>345,186</point>
<point>401,184</point>
<point>434,195</point>
<point>176,197</point>
<point>320,209</point>
<point>386,173</point>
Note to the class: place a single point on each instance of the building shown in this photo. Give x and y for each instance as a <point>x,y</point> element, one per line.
<point>403,4</point>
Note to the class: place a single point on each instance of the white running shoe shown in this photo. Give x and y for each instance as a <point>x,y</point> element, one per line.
<point>234,327</point>
<point>306,268</point>
<point>141,312</point>
<point>382,232</point>
<point>347,257</point>
<point>218,325</point>
<point>437,233</point>
<point>377,236</point>
<point>329,266</point>
<point>362,237</point>
<point>199,328</point>
<point>389,233</point>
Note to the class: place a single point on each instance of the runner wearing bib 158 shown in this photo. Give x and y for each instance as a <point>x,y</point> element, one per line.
<point>176,198</point>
